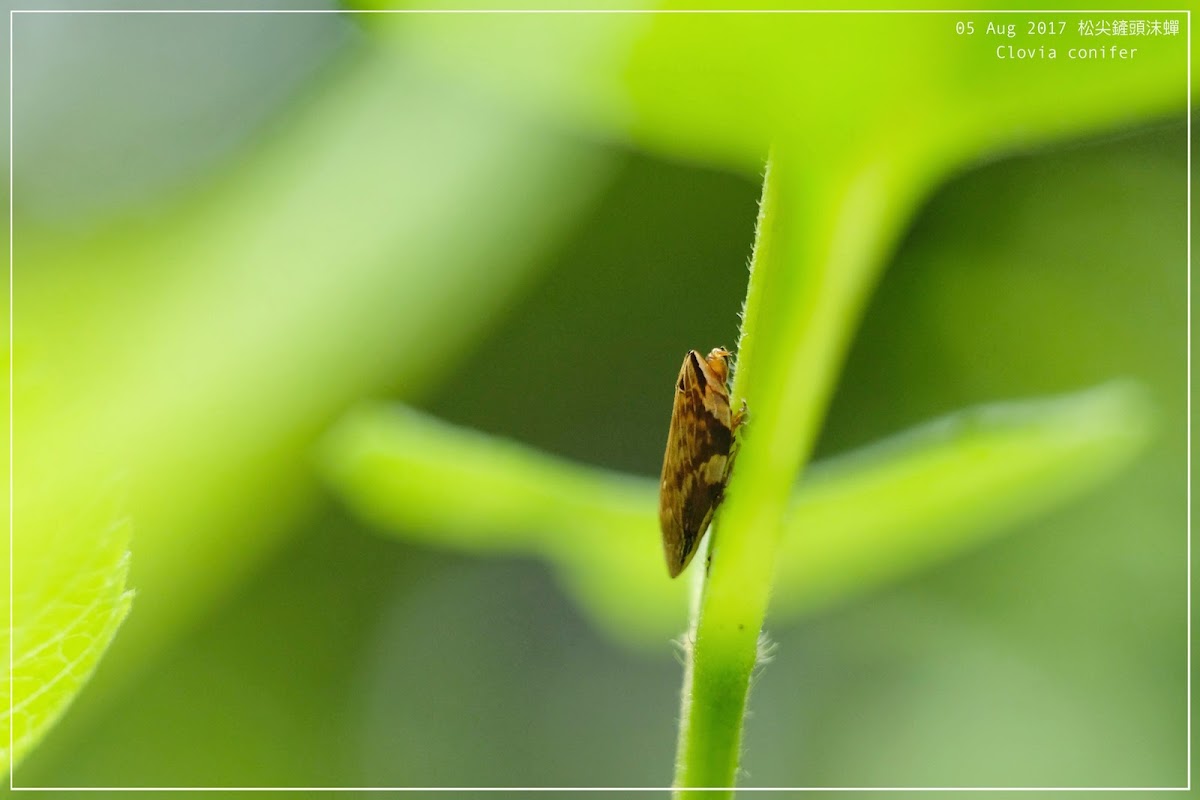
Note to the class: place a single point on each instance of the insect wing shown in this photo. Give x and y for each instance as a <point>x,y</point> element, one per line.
<point>697,456</point>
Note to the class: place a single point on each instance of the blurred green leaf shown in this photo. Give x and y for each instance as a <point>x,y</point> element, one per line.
<point>887,511</point>
<point>438,484</point>
<point>719,86</point>
<point>927,495</point>
<point>68,602</point>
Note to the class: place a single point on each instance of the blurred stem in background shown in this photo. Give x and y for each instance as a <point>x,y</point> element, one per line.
<point>261,295</point>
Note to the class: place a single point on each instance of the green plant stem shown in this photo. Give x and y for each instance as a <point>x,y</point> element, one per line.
<point>822,235</point>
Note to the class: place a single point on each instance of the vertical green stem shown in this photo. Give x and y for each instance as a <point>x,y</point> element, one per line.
<point>822,235</point>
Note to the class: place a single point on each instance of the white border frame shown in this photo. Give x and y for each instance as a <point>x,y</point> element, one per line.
<point>12,13</point>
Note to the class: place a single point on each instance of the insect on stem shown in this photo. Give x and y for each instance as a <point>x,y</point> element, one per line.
<point>696,465</point>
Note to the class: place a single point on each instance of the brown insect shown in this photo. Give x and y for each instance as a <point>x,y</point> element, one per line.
<point>699,453</point>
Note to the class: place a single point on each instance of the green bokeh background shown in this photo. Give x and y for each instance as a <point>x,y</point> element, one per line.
<point>300,649</point>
